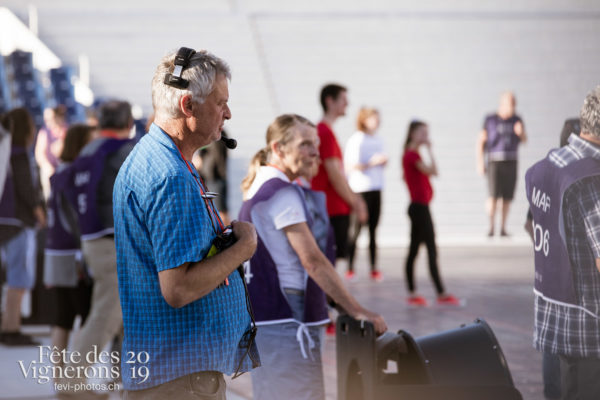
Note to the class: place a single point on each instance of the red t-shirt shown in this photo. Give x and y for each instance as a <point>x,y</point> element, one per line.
<point>329,148</point>
<point>418,183</point>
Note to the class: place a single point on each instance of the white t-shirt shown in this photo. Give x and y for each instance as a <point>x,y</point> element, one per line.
<point>359,150</point>
<point>283,209</point>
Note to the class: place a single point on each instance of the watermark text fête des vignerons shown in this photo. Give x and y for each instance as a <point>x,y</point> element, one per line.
<point>54,364</point>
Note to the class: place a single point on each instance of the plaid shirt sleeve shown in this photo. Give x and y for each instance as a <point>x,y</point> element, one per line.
<point>590,211</point>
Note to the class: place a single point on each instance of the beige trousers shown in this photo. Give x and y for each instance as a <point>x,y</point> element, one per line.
<point>105,319</point>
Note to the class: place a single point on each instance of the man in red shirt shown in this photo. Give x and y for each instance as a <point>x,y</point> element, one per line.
<point>331,179</point>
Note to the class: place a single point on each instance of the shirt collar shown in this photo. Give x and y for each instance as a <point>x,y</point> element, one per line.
<point>267,172</point>
<point>264,174</point>
<point>162,137</point>
<point>158,134</point>
<point>587,149</point>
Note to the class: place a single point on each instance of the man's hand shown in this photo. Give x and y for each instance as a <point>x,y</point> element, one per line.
<point>191,281</point>
<point>378,159</point>
<point>481,168</point>
<point>40,216</point>
<point>520,132</point>
<point>246,235</point>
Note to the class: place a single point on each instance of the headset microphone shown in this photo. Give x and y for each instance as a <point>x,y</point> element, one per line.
<point>181,62</point>
<point>229,142</point>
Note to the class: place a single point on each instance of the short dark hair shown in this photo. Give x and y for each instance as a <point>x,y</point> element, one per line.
<point>332,90</point>
<point>115,114</point>
<point>77,136</point>
<point>21,126</point>
<point>571,125</point>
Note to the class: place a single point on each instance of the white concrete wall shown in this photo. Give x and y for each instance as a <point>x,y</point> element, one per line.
<point>445,63</point>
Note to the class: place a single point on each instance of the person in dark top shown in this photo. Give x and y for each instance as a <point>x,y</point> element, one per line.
<point>550,361</point>
<point>21,209</point>
<point>65,273</point>
<point>497,155</point>
<point>563,194</point>
<point>288,276</point>
<point>90,193</point>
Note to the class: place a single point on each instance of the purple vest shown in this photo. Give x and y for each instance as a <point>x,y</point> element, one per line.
<point>8,206</point>
<point>502,141</point>
<point>268,301</point>
<point>59,236</point>
<point>316,203</point>
<point>546,185</point>
<point>82,189</point>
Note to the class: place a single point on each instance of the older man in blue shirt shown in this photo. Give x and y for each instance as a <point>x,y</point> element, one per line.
<point>184,309</point>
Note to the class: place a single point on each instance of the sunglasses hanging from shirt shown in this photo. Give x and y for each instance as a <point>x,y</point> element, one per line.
<point>182,61</point>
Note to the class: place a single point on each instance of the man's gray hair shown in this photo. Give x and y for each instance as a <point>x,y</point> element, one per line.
<point>590,113</point>
<point>201,73</point>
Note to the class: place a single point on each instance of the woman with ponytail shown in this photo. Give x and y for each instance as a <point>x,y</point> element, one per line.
<point>289,275</point>
<point>259,160</point>
<point>416,176</point>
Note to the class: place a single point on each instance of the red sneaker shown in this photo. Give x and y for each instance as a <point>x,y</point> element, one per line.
<point>350,276</point>
<point>418,301</point>
<point>449,300</point>
<point>330,329</point>
<point>377,276</point>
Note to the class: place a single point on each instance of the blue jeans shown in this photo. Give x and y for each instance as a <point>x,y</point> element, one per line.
<point>20,260</point>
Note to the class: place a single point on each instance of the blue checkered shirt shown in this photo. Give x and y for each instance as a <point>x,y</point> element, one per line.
<point>161,222</point>
<point>560,329</point>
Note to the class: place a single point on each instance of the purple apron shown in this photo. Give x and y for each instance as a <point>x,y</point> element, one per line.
<point>268,301</point>
<point>546,185</point>
<point>59,235</point>
<point>82,189</point>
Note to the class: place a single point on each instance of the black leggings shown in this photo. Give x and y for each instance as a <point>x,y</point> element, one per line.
<point>373,200</point>
<point>422,231</point>
<point>340,224</point>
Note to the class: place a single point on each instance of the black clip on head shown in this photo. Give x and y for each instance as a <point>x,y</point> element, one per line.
<point>182,61</point>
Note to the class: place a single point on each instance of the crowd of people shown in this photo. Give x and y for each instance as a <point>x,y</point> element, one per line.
<point>141,249</point>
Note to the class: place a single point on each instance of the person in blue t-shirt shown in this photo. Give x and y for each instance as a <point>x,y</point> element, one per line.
<point>185,310</point>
